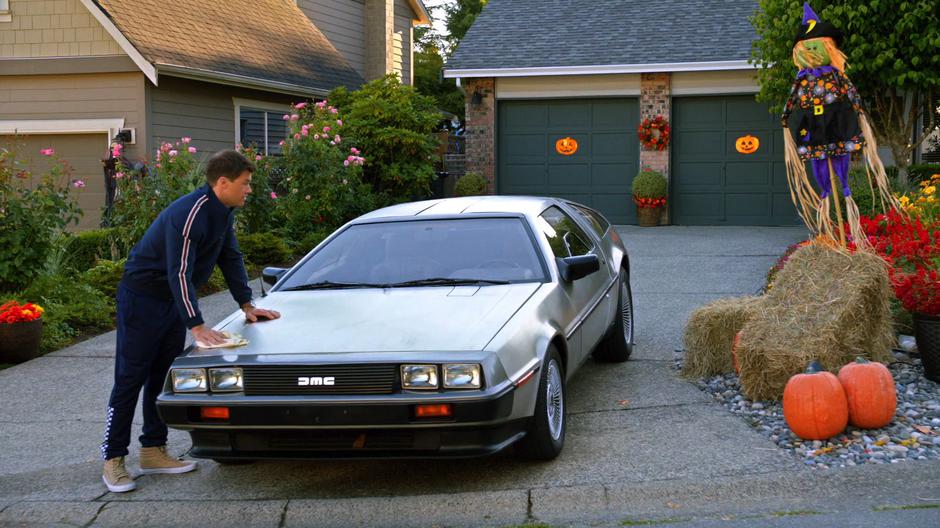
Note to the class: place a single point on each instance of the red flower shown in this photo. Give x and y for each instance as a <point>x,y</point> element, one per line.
<point>14,312</point>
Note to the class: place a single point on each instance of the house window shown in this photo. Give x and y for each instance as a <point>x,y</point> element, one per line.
<point>260,125</point>
<point>5,15</point>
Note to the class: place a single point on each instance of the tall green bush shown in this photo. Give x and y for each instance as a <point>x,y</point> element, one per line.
<point>142,195</point>
<point>393,125</point>
<point>34,212</point>
<point>265,249</point>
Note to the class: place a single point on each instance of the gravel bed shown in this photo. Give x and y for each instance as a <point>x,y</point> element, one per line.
<point>913,435</point>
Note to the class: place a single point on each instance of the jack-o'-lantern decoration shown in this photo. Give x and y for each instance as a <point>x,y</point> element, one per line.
<point>566,146</point>
<point>747,144</point>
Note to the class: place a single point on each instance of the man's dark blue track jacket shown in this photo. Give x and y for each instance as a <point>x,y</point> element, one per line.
<point>179,250</point>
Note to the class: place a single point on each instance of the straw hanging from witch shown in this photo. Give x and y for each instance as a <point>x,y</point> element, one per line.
<point>825,124</point>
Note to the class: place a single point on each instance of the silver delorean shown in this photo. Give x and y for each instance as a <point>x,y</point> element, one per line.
<point>435,328</point>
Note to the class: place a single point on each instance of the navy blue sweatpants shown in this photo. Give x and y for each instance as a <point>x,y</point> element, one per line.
<point>150,334</point>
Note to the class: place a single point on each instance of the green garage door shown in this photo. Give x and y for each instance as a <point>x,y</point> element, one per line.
<point>598,174</point>
<point>712,183</point>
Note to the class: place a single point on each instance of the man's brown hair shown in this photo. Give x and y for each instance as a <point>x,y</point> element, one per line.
<point>228,163</point>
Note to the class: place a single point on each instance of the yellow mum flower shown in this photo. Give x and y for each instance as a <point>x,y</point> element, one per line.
<point>922,199</point>
<point>931,199</point>
<point>930,190</point>
<point>935,177</point>
<point>905,200</point>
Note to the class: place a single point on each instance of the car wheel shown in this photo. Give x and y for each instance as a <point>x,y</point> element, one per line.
<point>545,435</point>
<point>618,344</point>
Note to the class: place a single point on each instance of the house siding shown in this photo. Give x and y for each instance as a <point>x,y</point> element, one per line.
<point>342,23</point>
<point>401,42</point>
<point>87,96</point>
<point>202,111</point>
<point>53,28</point>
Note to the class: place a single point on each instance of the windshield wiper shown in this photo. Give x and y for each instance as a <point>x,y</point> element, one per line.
<point>329,285</point>
<point>445,281</point>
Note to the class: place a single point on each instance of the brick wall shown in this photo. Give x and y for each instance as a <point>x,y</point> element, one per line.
<point>654,100</point>
<point>480,129</point>
<point>53,28</point>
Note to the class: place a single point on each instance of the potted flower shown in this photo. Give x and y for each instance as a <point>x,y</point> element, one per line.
<point>649,195</point>
<point>20,331</point>
<point>911,247</point>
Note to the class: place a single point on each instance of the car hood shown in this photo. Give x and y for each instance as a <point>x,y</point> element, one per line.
<point>376,320</point>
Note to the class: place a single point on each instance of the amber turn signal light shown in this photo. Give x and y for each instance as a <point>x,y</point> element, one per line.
<point>442,410</point>
<point>214,413</point>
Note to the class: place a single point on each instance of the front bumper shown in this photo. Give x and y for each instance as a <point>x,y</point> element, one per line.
<point>344,427</point>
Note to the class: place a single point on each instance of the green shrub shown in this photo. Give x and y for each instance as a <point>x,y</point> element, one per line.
<point>919,172</point>
<point>34,211</point>
<point>87,247</point>
<point>310,241</point>
<point>71,308</point>
<point>470,184</point>
<point>215,284</point>
<point>105,276</point>
<point>650,184</point>
<point>393,125</point>
<point>266,249</point>
<point>141,195</point>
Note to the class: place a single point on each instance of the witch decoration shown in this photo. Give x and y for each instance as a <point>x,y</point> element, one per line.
<point>825,124</point>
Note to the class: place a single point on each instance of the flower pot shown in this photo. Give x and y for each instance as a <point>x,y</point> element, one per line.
<point>19,342</point>
<point>648,216</point>
<point>927,333</point>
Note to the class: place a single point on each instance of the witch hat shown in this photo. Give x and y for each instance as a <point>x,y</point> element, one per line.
<point>812,27</point>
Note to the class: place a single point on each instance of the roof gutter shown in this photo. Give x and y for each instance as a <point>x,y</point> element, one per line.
<point>424,17</point>
<point>243,81</point>
<point>601,69</point>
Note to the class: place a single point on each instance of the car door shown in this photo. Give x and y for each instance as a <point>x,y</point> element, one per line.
<point>587,296</point>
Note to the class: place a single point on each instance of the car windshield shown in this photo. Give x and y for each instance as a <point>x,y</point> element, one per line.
<point>428,252</point>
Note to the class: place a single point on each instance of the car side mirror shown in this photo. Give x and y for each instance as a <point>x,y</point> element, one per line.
<point>272,275</point>
<point>574,268</point>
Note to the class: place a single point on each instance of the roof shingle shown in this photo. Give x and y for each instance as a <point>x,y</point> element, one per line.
<point>553,33</point>
<point>269,40</point>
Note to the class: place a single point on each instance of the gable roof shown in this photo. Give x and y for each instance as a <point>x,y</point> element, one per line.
<point>263,43</point>
<point>538,37</point>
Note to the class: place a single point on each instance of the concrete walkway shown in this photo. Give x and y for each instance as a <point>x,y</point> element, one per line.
<point>643,445</point>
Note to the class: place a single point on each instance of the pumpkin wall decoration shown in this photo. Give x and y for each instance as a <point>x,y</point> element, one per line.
<point>747,144</point>
<point>869,389</point>
<point>814,404</point>
<point>566,146</point>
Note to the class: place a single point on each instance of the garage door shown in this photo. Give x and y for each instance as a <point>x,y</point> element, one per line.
<point>82,152</point>
<point>598,173</point>
<point>712,183</point>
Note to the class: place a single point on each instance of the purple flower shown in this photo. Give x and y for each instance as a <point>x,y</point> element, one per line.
<point>339,122</point>
<point>273,195</point>
<point>299,106</point>
<point>294,117</point>
<point>172,153</point>
<point>186,139</point>
<point>337,139</point>
<point>118,175</point>
<point>286,117</point>
<point>47,151</point>
<point>316,136</point>
<point>333,110</point>
<point>346,163</point>
<point>78,184</point>
<point>327,129</point>
<point>192,150</point>
<point>258,157</point>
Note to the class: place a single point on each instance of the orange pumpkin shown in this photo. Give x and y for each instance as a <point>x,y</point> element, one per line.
<point>747,144</point>
<point>869,389</point>
<point>734,352</point>
<point>814,404</point>
<point>566,146</point>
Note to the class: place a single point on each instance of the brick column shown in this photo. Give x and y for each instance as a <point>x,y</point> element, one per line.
<point>654,100</point>
<point>379,28</point>
<point>480,129</point>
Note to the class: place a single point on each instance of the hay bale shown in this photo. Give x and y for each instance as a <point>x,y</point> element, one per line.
<point>826,306</point>
<point>709,333</point>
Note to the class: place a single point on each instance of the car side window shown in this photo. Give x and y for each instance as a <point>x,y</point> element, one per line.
<point>563,234</point>
<point>595,220</point>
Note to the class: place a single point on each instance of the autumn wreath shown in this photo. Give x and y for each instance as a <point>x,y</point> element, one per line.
<point>654,133</point>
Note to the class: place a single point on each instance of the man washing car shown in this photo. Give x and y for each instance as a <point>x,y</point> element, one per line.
<point>156,304</point>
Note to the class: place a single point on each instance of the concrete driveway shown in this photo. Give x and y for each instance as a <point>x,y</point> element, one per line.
<point>642,445</point>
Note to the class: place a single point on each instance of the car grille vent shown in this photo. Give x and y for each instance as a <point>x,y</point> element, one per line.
<point>279,380</point>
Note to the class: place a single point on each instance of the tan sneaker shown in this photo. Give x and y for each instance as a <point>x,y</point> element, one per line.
<point>156,460</point>
<point>116,477</point>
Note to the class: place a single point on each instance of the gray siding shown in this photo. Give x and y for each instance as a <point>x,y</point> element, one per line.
<point>202,111</point>
<point>341,21</point>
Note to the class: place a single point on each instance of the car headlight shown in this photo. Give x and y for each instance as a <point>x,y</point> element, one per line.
<point>225,379</point>
<point>461,376</point>
<point>189,380</point>
<point>419,376</point>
